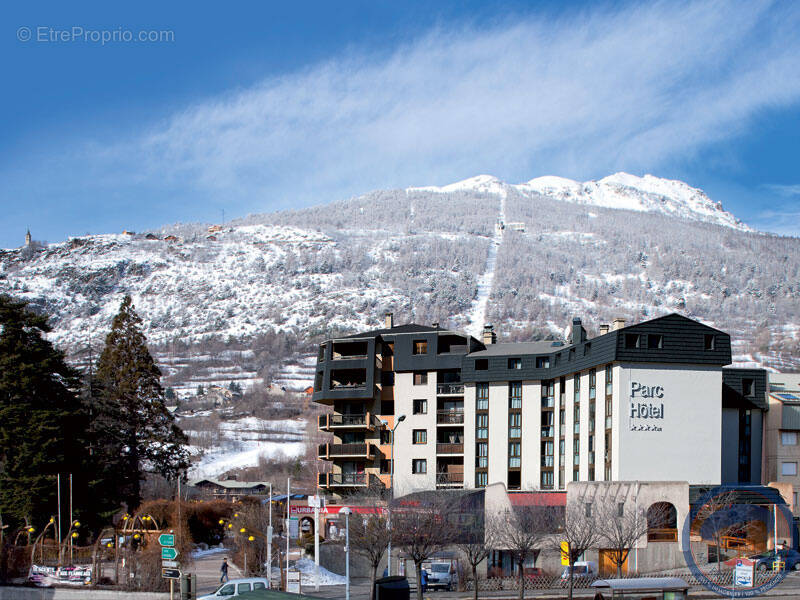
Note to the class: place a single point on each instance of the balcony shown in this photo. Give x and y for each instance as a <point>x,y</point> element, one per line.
<point>449,417</point>
<point>449,479</point>
<point>366,451</point>
<point>449,448</point>
<point>548,402</point>
<point>547,460</point>
<point>547,432</point>
<point>334,480</point>
<point>450,389</point>
<point>333,422</point>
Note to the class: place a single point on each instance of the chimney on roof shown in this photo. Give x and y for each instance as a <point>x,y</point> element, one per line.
<point>604,328</point>
<point>489,336</point>
<point>578,332</point>
<point>619,323</point>
<point>389,320</point>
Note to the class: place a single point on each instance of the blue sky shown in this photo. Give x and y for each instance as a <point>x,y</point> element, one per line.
<point>252,106</point>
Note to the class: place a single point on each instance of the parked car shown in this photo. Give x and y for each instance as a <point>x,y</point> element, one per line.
<point>583,569</point>
<point>790,558</point>
<point>236,587</point>
<point>441,576</point>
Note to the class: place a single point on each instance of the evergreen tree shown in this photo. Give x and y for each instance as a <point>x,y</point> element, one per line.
<point>136,431</point>
<point>41,416</point>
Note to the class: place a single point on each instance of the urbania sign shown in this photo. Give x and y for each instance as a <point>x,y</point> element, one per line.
<point>647,413</point>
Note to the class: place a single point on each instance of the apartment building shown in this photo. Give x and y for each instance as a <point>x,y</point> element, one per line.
<point>636,402</point>
<point>782,432</point>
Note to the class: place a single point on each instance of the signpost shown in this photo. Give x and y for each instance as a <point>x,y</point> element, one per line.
<point>565,553</point>
<point>743,574</point>
<point>170,568</point>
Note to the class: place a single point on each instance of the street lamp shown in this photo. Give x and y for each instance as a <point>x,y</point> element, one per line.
<point>400,419</point>
<point>346,512</point>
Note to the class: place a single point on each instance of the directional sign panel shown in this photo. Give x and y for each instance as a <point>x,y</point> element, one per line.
<point>174,564</point>
<point>169,553</point>
<point>166,539</point>
<point>171,573</point>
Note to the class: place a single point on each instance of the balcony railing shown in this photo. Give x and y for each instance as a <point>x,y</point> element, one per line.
<point>330,480</point>
<point>547,432</point>
<point>449,417</point>
<point>335,385</point>
<point>450,389</point>
<point>547,461</point>
<point>662,535</point>
<point>347,450</point>
<point>548,402</point>
<point>449,478</point>
<point>351,421</point>
<point>449,448</point>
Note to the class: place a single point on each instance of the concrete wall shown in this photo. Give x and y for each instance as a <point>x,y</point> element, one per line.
<point>730,450</point>
<point>689,443</point>
<point>405,394</point>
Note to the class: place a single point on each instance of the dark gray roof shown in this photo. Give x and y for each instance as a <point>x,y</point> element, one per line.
<point>400,329</point>
<point>518,348</point>
<point>643,583</point>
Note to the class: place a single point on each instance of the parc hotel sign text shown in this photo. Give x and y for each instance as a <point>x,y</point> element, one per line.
<point>647,407</point>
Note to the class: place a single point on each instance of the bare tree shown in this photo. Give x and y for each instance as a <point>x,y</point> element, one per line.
<point>521,531</point>
<point>716,516</point>
<point>369,537</point>
<point>421,527</point>
<point>621,527</point>
<point>579,530</point>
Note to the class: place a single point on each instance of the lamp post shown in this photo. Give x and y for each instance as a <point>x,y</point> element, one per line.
<point>346,512</point>
<point>269,539</point>
<point>400,419</point>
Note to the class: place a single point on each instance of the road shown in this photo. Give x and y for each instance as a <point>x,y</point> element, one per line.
<point>208,573</point>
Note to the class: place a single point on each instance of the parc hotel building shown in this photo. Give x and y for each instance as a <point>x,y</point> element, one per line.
<point>649,401</point>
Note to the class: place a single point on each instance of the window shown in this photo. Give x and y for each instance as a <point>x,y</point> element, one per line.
<point>515,394</point>
<point>547,479</point>
<point>386,437</point>
<point>514,455</point>
<point>655,341</point>
<point>587,348</point>
<point>420,407</point>
<point>789,468</point>
<point>575,474</point>
<point>515,425</point>
<point>631,340</point>
<point>387,407</point>
<point>420,347</point>
<point>542,362</point>
<point>562,418</point>
<point>620,509</point>
<point>592,384</point>
<point>571,355</point>
<point>747,387</point>
<point>421,378</point>
<point>514,363</point>
<point>558,359</point>
<point>710,341</point>
<point>609,379</point>
<point>482,427</point>
<point>419,466</point>
<point>481,479</point>
<point>420,436</point>
<point>577,387</point>
<point>482,396</point>
<point>242,588</point>
<point>386,466</point>
<point>481,364</point>
<point>789,438</point>
<point>321,355</point>
<point>228,590</point>
<point>258,585</point>
<point>588,510</point>
<point>481,455</point>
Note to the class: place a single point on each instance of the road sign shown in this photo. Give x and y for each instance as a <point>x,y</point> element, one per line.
<point>171,573</point>
<point>564,553</point>
<point>169,553</point>
<point>170,563</point>
<point>743,575</point>
<point>166,539</point>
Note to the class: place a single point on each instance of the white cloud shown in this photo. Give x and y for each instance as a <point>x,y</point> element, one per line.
<point>638,88</point>
<point>784,190</point>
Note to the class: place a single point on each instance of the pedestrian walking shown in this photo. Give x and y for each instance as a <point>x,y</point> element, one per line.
<point>424,580</point>
<point>224,570</point>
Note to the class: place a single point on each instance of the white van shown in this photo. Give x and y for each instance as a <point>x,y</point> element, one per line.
<point>235,587</point>
<point>581,568</point>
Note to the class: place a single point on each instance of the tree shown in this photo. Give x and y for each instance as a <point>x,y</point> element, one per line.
<point>717,517</point>
<point>41,414</point>
<point>368,537</point>
<point>521,530</point>
<point>579,530</point>
<point>622,527</point>
<point>420,528</point>
<point>135,431</point>
<point>475,552</point>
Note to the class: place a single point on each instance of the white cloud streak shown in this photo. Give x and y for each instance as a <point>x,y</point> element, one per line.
<point>635,88</point>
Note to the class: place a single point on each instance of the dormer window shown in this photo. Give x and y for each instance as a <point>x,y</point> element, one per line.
<point>514,363</point>
<point>655,341</point>
<point>710,341</point>
<point>632,340</point>
<point>420,347</point>
<point>542,362</point>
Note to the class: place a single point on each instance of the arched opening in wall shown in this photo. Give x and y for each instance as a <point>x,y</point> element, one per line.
<point>662,522</point>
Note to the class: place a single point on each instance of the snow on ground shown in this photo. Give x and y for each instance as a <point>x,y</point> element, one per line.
<point>200,553</point>
<point>306,568</point>
<point>477,313</point>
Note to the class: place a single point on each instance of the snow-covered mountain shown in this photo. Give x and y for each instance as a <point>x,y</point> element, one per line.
<point>620,190</point>
<point>247,301</point>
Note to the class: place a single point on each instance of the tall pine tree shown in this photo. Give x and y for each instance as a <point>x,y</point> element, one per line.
<point>41,416</point>
<point>134,430</point>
